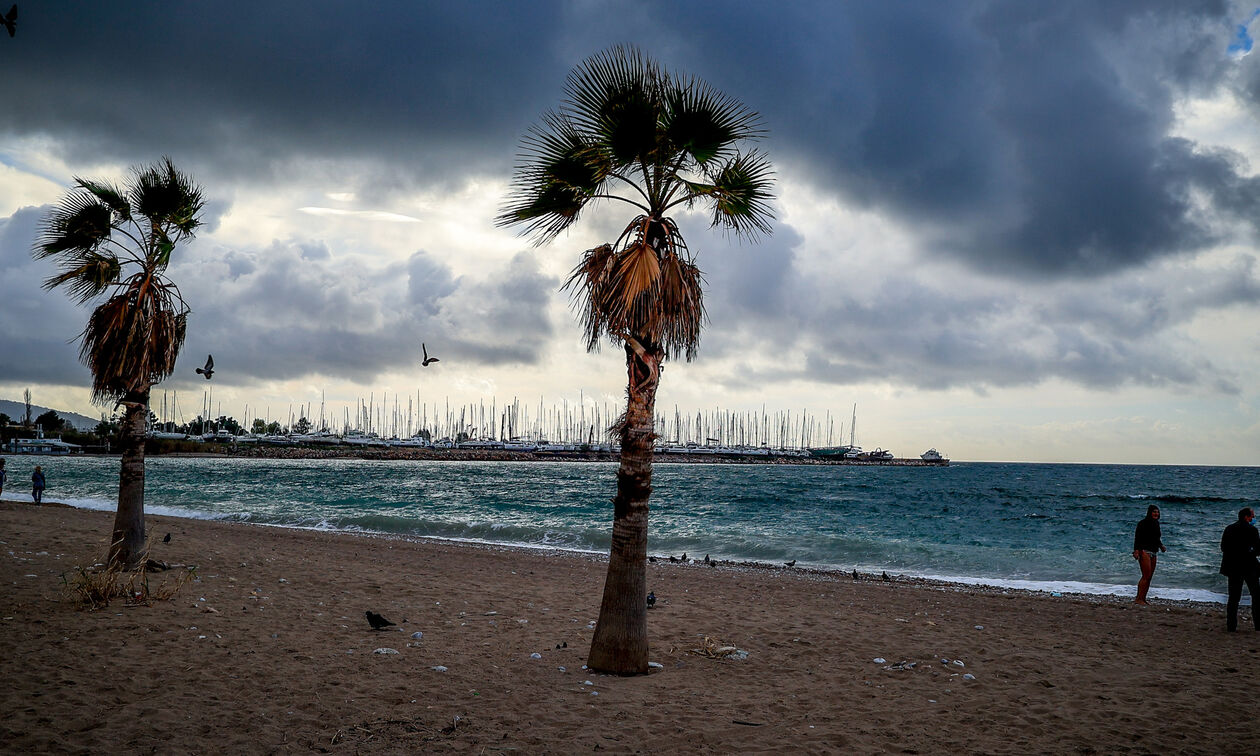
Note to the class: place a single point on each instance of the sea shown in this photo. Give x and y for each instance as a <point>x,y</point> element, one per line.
<point>1059,528</point>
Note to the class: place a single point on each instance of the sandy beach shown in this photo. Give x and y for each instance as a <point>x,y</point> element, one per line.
<point>268,651</point>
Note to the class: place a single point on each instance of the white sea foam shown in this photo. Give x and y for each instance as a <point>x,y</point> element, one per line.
<point>1077,587</point>
<point>109,505</point>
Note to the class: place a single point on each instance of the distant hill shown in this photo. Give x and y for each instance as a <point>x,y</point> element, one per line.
<point>17,411</point>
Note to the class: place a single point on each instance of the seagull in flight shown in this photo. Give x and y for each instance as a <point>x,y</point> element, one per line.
<point>427,358</point>
<point>208,370</point>
<point>10,20</point>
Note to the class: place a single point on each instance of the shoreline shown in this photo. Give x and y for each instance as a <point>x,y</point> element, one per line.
<point>267,651</point>
<point>1055,589</point>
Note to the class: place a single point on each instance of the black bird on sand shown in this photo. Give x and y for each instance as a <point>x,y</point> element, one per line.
<point>377,621</point>
<point>790,564</point>
<point>706,558</point>
<point>10,20</point>
<point>855,575</point>
<point>673,559</point>
<point>208,370</point>
<point>886,576</point>
<point>684,558</point>
<point>651,599</point>
<point>427,358</point>
<point>167,539</point>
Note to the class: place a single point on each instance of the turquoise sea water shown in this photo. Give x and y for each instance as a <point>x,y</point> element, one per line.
<point>1051,527</point>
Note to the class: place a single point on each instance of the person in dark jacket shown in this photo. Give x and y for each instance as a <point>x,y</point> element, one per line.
<point>1239,546</point>
<point>37,485</point>
<point>1147,543</point>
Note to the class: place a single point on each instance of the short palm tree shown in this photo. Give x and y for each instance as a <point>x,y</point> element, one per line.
<point>630,131</point>
<point>116,243</point>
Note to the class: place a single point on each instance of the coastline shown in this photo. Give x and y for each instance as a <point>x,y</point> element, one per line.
<point>285,662</point>
<point>246,451</point>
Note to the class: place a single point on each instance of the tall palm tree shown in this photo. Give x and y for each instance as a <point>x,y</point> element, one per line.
<point>116,243</point>
<point>630,131</point>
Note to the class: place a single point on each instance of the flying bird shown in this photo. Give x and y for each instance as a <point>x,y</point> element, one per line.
<point>208,370</point>
<point>377,621</point>
<point>10,20</point>
<point>651,599</point>
<point>427,358</point>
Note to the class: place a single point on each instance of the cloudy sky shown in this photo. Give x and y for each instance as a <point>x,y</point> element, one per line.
<point>1009,230</point>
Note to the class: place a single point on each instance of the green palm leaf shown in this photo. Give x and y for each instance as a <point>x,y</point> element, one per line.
<point>108,194</point>
<point>80,223</point>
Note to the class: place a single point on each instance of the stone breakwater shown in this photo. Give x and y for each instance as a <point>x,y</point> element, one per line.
<point>499,455</point>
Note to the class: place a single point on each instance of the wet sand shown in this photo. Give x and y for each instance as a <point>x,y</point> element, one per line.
<point>268,651</point>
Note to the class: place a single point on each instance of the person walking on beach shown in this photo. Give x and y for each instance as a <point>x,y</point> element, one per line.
<point>37,485</point>
<point>3,474</point>
<point>1240,544</point>
<point>1147,543</point>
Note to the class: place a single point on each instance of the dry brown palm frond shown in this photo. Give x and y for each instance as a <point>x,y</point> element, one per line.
<point>645,285</point>
<point>133,339</point>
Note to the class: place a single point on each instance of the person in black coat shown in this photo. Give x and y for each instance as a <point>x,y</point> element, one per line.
<point>1240,544</point>
<point>1147,543</point>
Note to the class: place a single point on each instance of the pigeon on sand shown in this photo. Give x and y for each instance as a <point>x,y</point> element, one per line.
<point>377,621</point>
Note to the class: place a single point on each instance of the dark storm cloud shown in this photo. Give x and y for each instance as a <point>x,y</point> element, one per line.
<point>238,89</point>
<point>1029,139</point>
<point>1031,142</point>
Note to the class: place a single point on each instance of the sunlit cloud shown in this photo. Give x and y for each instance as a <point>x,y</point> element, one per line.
<point>368,215</point>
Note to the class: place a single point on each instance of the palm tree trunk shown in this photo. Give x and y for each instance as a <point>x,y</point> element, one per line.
<point>127,546</point>
<point>620,644</point>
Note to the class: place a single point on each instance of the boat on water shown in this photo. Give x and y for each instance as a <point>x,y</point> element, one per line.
<point>832,452</point>
<point>168,435</point>
<point>54,446</point>
<point>415,442</point>
<point>932,455</point>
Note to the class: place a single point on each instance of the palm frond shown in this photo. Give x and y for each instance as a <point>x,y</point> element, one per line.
<point>617,96</point>
<point>109,194</point>
<point>132,339</point>
<point>634,289</point>
<point>559,173</point>
<point>741,194</point>
<point>705,123</point>
<point>584,285</point>
<point>88,275</point>
<point>167,197</point>
<point>79,223</point>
